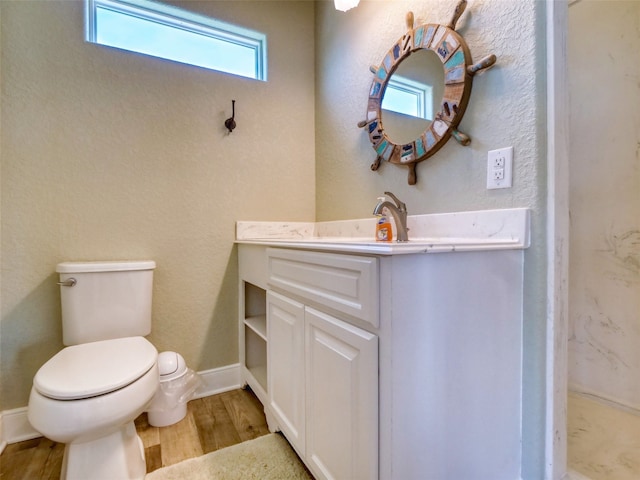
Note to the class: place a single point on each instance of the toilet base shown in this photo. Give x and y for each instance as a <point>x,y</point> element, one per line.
<point>118,455</point>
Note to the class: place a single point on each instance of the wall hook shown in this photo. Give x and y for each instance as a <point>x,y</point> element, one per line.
<point>230,123</point>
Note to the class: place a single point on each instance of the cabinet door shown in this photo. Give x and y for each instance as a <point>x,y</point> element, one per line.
<point>341,399</point>
<point>285,333</point>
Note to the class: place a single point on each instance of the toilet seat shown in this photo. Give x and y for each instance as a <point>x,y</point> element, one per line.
<point>92,369</point>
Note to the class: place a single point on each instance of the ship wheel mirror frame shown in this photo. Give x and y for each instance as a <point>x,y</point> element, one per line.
<point>459,70</point>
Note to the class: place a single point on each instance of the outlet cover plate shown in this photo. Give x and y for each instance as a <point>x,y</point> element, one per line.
<point>500,168</point>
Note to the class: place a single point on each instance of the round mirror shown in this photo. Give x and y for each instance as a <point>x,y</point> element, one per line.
<point>413,96</point>
<point>430,57</point>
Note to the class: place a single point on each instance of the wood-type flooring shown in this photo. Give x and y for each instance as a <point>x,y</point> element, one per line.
<point>211,423</point>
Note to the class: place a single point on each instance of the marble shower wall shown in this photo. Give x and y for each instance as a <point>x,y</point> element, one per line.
<point>604,76</point>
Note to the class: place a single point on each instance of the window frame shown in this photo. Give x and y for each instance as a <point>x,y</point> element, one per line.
<point>421,92</point>
<point>184,20</point>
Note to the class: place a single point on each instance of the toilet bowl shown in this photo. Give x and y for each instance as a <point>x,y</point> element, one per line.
<point>87,397</point>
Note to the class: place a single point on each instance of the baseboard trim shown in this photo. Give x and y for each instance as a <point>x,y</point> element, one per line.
<point>219,380</point>
<point>15,426</point>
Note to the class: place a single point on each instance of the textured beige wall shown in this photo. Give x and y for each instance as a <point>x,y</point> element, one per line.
<point>111,155</point>
<point>507,108</point>
<point>604,75</point>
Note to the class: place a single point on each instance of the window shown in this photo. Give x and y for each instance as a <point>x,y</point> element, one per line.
<point>409,97</point>
<point>168,32</point>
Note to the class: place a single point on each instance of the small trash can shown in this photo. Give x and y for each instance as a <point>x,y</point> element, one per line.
<point>177,386</point>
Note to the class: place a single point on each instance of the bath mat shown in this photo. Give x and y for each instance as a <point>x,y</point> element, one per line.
<point>269,457</point>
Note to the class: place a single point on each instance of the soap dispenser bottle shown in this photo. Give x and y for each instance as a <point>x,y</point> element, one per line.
<point>384,230</point>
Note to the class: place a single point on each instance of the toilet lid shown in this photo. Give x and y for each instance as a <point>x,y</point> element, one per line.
<point>91,369</point>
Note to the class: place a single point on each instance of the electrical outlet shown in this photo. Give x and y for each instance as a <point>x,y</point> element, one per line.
<point>500,168</point>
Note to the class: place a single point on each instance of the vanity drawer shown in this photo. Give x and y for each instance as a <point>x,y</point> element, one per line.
<point>344,283</point>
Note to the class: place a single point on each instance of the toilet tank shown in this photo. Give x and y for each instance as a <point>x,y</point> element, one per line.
<point>108,300</point>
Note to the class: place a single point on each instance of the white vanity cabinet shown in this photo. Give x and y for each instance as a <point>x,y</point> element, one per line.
<point>323,370</point>
<point>392,367</point>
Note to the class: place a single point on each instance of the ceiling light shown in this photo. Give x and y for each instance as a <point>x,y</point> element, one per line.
<point>344,5</point>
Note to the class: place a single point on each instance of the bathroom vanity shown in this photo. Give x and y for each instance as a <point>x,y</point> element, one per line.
<point>389,361</point>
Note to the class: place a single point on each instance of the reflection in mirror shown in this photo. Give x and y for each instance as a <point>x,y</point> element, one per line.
<point>406,96</point>
<point>413,96</point>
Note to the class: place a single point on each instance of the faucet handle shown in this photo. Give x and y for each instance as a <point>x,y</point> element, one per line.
<point>401,205</point>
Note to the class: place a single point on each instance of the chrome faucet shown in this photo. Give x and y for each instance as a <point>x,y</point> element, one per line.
<point>399,212</point>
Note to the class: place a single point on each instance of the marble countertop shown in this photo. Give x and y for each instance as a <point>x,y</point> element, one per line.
<point>447,232</point>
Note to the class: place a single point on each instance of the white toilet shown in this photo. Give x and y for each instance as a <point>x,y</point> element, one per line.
<point>88,394</point>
